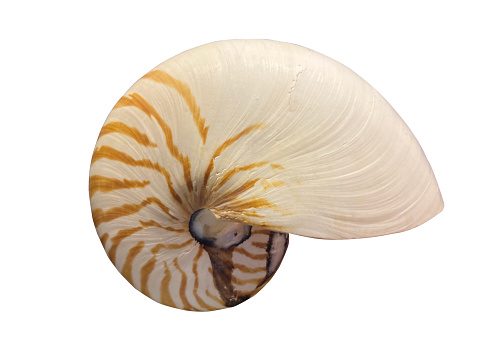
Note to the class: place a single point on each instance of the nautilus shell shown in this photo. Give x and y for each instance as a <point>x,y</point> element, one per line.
<point>210,159</point>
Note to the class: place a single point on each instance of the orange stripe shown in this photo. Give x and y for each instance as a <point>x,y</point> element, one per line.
<point>160,246</point>
<point>262,245</point>
<point>184,282</point>
<point>224,146</point>
<point>139,102</point>
<point>241,206</point>
<point>108,184</point>
<point>276,167</point>
<point>115,155</point>
<point>273,184</point>
<point>235,170</point>
<point>261,231</point>
<point>184,90</point>
<point>100,216</point>
<point>273,227</point>
<point>132,253</point>
<point>241,189</point>
<point>145,275</point>
<point>239,281</point>
<point>246,269</point>
<point>120,127</point>
<point>104,238</point>
<point>165,296</point>
<point>121,235</point>
<point>243,251</point>
<point>253,214</point>
<point>200,301</point>
<point>153,223</point>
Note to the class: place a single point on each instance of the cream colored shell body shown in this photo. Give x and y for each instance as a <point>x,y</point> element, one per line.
<point>261,132</point>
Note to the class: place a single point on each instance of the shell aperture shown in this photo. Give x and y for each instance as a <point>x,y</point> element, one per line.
<point>207,161</point>
<point>214,232</point>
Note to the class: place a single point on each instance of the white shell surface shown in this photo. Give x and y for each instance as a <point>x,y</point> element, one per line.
<point>341,163</point>
<point>267,133</point>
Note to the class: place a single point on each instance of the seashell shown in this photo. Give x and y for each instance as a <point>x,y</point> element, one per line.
<point>210,159</point>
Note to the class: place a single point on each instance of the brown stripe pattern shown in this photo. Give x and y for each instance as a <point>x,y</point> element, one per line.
<point>147,238</point>
<point>219,150</point>
<point>133,132</point>
<point>107,152</point>
<point>139,102</point>
<point>183,89</point>
<point>108,184</point>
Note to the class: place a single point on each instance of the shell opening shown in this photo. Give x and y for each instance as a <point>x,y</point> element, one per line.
<point>211,231</point>
<point>226,242</point>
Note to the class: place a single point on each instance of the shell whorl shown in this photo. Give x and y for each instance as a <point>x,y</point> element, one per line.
<point>146,234</point>
<point>260,132</point>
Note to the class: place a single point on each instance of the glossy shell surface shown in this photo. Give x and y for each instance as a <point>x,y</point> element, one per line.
<point>260,132</point>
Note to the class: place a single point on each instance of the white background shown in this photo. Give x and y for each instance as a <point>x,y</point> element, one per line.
<point>409,295</point>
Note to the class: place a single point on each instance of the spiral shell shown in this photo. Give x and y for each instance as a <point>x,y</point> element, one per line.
<point>268,136</point>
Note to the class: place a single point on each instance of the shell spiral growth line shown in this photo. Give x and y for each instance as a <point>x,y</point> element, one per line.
<point>210,159</point>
